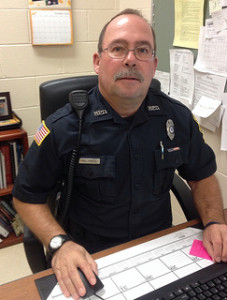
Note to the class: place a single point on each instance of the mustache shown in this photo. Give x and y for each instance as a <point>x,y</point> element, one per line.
<point>129,72</point>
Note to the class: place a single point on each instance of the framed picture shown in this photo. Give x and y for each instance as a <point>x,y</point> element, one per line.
<point>5,106</point>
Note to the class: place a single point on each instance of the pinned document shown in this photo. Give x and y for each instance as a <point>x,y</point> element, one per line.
<point>206,107</point>
<point>188,19</point>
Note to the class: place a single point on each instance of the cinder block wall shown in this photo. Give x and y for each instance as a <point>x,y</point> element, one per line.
<point>24,67</point>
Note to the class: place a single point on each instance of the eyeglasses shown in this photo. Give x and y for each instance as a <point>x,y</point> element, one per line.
<point>144,53</point>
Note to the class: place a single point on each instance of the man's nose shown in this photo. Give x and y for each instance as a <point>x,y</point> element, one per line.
<point>130,59</point>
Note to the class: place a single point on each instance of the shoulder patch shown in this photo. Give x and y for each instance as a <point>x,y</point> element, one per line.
<point>198,126</point>
<point>41,134</point>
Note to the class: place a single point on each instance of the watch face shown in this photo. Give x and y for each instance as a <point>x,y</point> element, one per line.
<point>56,242</point>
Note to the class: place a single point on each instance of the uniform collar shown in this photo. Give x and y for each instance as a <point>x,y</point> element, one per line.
<point>101,110</point>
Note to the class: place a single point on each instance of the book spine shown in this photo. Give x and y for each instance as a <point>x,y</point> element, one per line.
<point>3,170</point>
<point>19,153</point>
<point>5,225</point>
<point>8,216</point>
<point>15,157</point>
<point>4,218</point>
<point>8,207</point>
<point>4,232</point>
<point>5,149</point>
<point>12,160</point>
<point>1,180</point>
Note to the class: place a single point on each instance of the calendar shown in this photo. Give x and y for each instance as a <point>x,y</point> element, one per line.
<point>133,272</point>
<point>51,27</point>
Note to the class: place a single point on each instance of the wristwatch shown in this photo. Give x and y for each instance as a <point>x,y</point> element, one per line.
<point>57,241</point>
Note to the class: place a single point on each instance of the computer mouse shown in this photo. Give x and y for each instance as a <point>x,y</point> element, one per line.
<point>90,289</point>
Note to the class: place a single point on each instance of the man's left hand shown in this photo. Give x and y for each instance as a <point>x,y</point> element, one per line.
<point>215,242</point>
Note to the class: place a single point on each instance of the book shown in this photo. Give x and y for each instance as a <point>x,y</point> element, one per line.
<point>5,213</point>
<point>11,218</point>
<point>17,225</point>
<point>3,170</point>
<point>3,231</point>
<point>5,149</point>
<point>1,180</point>
<point>8,212</point>
<point>4,218</point>
<point>15,157</point>
<point>19,153</point>
<point>12,159</point>
<point>8,207</point>
<point>6,225</point>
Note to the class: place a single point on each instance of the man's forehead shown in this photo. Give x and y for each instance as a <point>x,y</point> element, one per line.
<point>123,20</point>
<point>125,23</point>
<point>127,19</point>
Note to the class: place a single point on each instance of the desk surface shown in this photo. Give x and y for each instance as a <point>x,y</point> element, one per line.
<point>25,288</point>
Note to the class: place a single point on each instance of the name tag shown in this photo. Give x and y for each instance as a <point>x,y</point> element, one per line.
<point>89,161</point>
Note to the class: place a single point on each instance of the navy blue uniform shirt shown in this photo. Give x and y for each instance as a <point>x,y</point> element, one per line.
<point>126,165</point>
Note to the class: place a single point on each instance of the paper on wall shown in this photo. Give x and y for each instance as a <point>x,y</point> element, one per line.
<point>219,19</point>
<point>224,124</point>
<point>214,5</point>
<point>164,78</point>
<point>209,85</point>
<point>213,122</point>
<point>182,75</point>
<point>212,53</point>
<point>188,19</point>
<point>206,107</point>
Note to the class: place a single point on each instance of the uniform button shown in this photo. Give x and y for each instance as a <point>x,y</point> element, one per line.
<point>137,186</point>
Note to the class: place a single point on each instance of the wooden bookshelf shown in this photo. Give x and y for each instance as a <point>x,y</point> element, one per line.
<point>11,240</point>
<point>19,135</point>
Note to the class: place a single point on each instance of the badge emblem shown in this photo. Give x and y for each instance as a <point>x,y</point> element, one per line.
<point>170,129</point>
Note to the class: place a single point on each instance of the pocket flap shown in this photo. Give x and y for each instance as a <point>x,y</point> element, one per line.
<point>172,158</point>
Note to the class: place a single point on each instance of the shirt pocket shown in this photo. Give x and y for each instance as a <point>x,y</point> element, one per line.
<point>165,165</point>
<point>96,181</point>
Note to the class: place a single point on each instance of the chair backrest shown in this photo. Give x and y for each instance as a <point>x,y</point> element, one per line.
<point>54,94</point>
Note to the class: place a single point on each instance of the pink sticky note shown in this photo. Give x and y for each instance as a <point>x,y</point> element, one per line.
<point>199,250</point>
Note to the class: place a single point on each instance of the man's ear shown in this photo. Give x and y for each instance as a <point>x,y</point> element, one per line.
<point>96,62</point>
<point>155,65</point>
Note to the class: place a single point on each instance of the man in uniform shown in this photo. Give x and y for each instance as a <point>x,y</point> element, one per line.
<point>133,139</point>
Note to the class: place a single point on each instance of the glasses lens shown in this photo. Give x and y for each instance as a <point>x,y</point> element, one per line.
<point>143,53</point>
<point>117,51</point>
<point>120,52</point>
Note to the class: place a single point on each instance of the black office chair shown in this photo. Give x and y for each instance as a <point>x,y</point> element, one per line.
<point>53,95</point>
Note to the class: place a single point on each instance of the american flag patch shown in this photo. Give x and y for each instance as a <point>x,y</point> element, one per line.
<point>41,134</point>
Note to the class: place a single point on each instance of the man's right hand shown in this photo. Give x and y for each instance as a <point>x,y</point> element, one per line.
<point>65,264</point>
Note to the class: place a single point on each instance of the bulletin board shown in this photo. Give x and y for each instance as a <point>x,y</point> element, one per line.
<point>163,24</point>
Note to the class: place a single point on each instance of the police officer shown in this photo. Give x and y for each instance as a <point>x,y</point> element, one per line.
<point>133,139</point>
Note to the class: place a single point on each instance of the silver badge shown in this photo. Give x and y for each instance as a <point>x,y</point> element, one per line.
<point>170,129</point>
